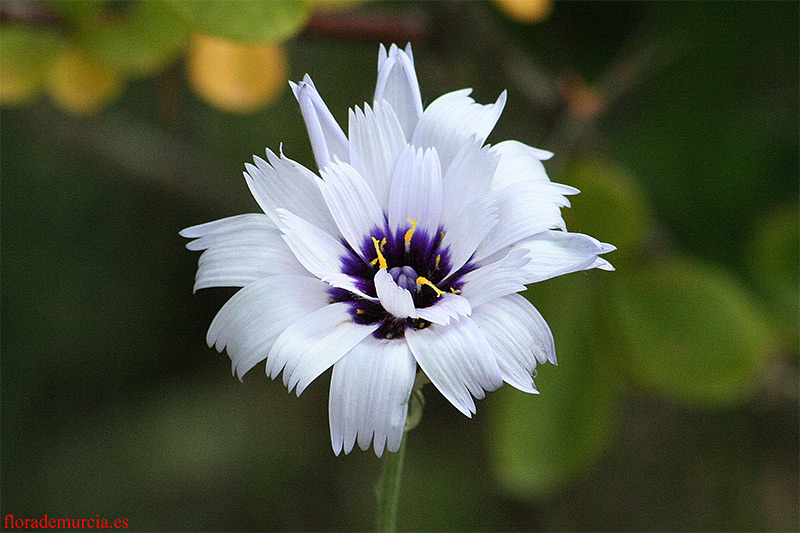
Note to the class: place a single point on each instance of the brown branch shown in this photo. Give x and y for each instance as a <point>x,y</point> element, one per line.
<point>409,25</point>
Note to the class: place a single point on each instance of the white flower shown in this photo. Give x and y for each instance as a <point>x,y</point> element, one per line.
<point>405,253</point>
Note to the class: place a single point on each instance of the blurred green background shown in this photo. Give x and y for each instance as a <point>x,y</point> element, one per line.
<point>675,402</point>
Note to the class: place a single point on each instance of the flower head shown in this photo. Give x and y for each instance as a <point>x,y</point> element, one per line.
<point>405,253</point>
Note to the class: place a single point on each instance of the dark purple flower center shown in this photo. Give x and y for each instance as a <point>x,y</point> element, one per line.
<point>410,256</point>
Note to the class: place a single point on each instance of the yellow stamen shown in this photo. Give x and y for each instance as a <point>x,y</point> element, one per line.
<point>426,281</point>
<point>454,290</point>
<point>359,311</point>
<point>438,260</point>
<point>410,233</point>
<point>380,259</point>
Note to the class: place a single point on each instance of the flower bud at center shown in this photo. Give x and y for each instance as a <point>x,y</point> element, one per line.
<point>405,277</point>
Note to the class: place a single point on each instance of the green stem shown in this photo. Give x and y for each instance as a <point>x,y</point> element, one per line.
<point>390,488</point>
<point>389,491</point>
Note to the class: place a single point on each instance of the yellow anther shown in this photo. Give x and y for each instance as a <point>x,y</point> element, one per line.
<point>426,281</point>
<point>454,290</point>
<point>438,260</point>
<point>359,311</point>
<point>380,259</point>
<point>410,232</point>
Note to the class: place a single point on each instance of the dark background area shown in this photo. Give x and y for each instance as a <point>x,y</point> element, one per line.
<point>675,402</point>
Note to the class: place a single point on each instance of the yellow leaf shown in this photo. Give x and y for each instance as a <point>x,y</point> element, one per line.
<point>79,85</point>
<point>236,77</point>
<point>527,11</point>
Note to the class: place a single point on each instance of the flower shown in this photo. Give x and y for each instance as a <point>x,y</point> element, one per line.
<point>404,254</point>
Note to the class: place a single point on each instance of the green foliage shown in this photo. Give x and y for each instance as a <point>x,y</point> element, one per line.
<point>244,20</point>
<point>611,207</point>
<point>773,257</point>
<point>540,443</point>
<point>76,10</point>
<point>682,329</point>
<point>692,332</point>
<point>184,437</point>
<point>716,136</point>
<point>141,40</point>
<point>115,40</point>
<point>27,53</point>
<point>29,45</point>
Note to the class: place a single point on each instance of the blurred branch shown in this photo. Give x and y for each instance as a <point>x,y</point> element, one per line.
<point>497,52</point>
<point>640,58</point>
<point>581,105</point>
<point>455,21</point>
<point>779,381</point>
<point>409,25</point>
<point>140,150</point>
<point>28,11</point>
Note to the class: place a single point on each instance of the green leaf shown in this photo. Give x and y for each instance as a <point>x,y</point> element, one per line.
<point>773,257</point>
<point>540,443</point>
<point>27,54</point>
<point>80,85</point>
<point>692,332</point>
<point>611,207</point>
<point>713,134</point>
<point>76,10</point>
<point>141,39</point>
<point>245,20</point>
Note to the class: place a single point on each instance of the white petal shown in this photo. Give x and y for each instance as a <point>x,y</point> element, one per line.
<point>395,299</point>
<point>554,253</point>
<point>282,183</point>
<point>511,147</point>
<point>467,179</point>
<point>327,138</point>
<point>458,360</point>
<point>240,250</point>
<point>519,336</point>
<point>524,208</point>
<point>224,225</point>
<point>452,119</point>
<point>601,264</point>
<point>317,251</point>
<point>236,229</point>
<point>376,139</point>
<point>447,307</point>
<point>311,345</point>
<point>466,232</point>
<point>370,390</point>
<point>398,85</point>
<point>518,162</point>
<point>252,319</point>
<point>352,204</point>
<point>416,191</point>
<point>495,280</point>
